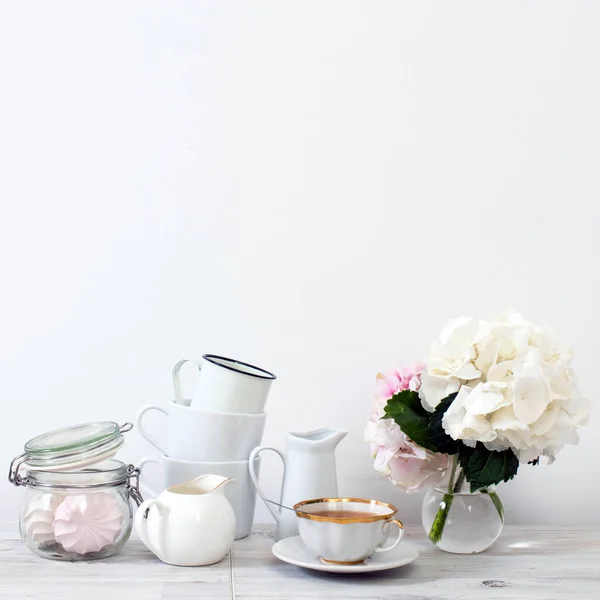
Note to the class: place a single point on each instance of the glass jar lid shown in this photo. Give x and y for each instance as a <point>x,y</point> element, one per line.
<point>71,447</point>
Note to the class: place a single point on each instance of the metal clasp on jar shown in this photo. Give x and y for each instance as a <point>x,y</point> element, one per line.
<point>133,489</point>
<point>13,471</point>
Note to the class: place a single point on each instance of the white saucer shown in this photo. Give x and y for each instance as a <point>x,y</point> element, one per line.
<point>293,551</point>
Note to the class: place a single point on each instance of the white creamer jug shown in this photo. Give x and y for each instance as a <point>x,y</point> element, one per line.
<point>188,525</point>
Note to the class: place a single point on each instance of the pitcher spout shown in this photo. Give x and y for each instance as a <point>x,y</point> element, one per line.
<point>202,485</point>
<point>322,437</point>
<point>339,436</point>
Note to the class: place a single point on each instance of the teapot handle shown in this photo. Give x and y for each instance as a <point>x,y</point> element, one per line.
<point>141,524</point>
<point>254,477</point>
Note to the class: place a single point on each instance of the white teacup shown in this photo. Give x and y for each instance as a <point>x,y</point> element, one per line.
<point>240,492</point>
<point>231,386</point>
<point>346,531</point>
<point>205,436</point>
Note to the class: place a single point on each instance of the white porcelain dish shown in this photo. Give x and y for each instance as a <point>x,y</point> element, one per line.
<point>293,551</point>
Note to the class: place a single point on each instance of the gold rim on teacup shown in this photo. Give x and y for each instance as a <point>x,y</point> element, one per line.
<point>323,518</point>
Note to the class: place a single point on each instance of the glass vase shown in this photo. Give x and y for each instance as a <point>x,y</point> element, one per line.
<point>459,521</point>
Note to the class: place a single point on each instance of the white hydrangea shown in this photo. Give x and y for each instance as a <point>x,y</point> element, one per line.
<point>515,387</point>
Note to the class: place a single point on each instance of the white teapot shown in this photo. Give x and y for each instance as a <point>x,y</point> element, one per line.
<point>188,525</point>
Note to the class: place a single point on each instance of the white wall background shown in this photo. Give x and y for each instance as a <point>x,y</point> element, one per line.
<point>315,187</point>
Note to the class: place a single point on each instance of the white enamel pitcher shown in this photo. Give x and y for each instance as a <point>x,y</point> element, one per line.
<point>188,525</point>
<point>309,472</point>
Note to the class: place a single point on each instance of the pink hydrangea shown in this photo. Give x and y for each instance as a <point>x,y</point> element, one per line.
<point>407,464</point>
<point>388,384</point>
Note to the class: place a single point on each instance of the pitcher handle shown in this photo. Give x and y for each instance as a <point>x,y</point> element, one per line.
<point>253,476</point>
<point>177,381</point>
<point>145,434</point>
<point>141,524</point>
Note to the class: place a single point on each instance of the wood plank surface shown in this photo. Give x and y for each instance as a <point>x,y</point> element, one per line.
<point>526,563</point>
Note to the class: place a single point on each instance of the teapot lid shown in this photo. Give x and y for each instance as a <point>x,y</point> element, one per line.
<point>71,447</point>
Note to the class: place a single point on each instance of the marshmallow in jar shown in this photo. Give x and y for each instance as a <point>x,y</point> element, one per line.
<point>77,499</point>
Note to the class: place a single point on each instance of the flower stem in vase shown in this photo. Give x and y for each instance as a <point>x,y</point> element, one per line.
<point>497,502</point>
<point>437,527</point>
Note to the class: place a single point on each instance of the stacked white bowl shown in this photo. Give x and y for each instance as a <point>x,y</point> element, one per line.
<point>215,431</point>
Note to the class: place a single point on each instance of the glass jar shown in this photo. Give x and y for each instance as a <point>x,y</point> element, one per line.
<point>77,500</point>
<point>459,521</point>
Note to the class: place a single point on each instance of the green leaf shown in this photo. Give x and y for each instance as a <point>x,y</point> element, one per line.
<point>438,437</point>
<point>464,454</point>
<point>483,467</point>
<point>407,411</point>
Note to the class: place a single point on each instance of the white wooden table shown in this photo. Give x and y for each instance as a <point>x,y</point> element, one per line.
<point>526,563</point>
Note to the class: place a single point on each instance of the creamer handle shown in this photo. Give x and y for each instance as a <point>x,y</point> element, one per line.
<point>254,477</point>
<point>141,524</point>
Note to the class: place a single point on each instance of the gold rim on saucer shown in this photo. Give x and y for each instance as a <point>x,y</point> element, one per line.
<point>312,517</point>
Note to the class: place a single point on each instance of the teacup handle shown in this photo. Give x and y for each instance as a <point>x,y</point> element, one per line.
<point>398,539</point>
<point>145,434</point>
<point>254,477</point>
<point>177,380</point>
<point>141,465</point>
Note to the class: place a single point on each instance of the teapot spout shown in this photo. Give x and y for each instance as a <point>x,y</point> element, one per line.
<point>204,484</point>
